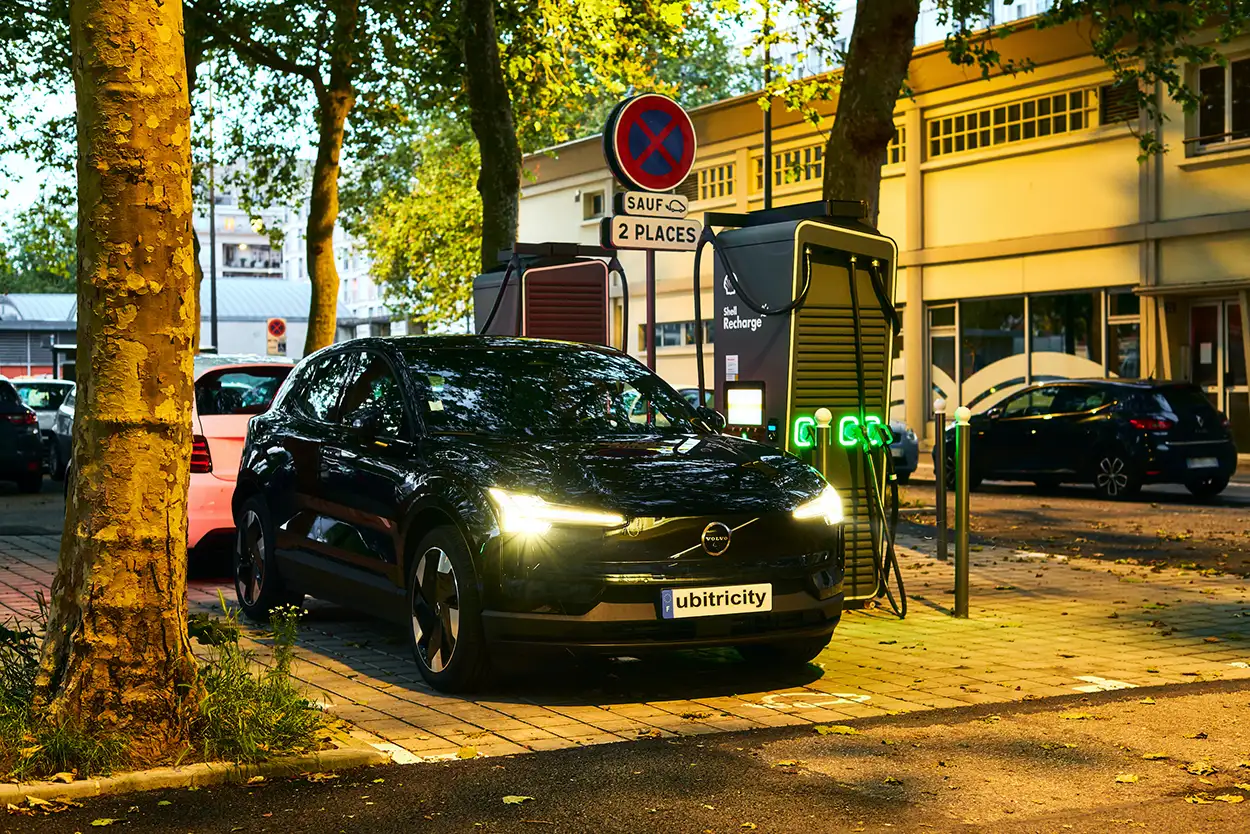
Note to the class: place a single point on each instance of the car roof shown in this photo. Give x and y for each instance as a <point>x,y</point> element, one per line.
<point>468,341</point>
<point>1117,382</point>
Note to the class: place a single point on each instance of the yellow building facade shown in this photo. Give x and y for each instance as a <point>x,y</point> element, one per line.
<point>1033,243</point>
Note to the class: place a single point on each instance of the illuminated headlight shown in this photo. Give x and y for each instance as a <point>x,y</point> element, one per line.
<point>531,514</point>
<point>827,505</point>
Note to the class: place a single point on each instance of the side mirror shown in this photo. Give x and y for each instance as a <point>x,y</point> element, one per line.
<point>368,423</point>
<point>995,412</point>
<point>714,419</point>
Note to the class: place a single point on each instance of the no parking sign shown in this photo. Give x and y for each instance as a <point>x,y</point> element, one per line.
<point>276,331</point>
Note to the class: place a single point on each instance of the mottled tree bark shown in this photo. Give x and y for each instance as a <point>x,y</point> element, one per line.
<point>116,656</point>
<point>490,114</point>
<point>876,65</point>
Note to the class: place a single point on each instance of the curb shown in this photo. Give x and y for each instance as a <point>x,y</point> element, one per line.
<point>196,775</point>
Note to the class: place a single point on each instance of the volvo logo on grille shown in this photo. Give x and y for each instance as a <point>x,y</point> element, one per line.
<point>716,538</point>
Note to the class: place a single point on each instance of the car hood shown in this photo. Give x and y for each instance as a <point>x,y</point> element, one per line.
<point>682,475</point>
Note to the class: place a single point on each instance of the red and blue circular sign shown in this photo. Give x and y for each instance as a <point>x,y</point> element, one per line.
<point>649,143</point>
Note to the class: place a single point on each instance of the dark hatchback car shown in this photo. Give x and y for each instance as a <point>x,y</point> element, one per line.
<point>490,490</point>
<point>1114,434</point>
<point>21,444</point>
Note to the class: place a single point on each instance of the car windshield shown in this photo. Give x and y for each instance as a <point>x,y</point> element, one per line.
<point>42,396</point>
<point>544,392</point>
<point>238,390</point>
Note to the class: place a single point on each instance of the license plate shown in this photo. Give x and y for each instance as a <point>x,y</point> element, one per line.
<point>678,603</point>
<point>1203,463</point>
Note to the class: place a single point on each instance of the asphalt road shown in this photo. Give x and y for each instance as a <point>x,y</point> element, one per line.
<point>1107,761</point>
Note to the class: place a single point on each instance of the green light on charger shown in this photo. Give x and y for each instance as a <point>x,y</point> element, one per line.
<point>849,433</point>
<point>804,434</point>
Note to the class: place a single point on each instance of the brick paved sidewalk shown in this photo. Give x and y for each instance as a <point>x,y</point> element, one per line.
<point>1040,626</point>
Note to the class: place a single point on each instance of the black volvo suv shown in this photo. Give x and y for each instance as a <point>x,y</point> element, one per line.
<point>494,490</point>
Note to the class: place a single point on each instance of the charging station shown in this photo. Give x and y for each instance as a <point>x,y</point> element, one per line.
<point>805,320</point>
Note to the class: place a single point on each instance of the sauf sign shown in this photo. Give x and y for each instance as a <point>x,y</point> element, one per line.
<point>649,145</point>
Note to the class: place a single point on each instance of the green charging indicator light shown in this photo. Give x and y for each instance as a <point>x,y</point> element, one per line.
<point>804,434</point>
<point>850,433</point>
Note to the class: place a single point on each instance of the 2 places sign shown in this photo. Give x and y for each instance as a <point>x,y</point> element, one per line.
<point>669,233</point>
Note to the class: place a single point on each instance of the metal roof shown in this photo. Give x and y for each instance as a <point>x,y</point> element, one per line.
<point>238,299</point>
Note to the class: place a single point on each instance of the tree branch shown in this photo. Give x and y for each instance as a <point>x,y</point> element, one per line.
<point>249,47</point>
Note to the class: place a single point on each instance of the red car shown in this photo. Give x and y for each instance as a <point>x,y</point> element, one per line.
<point>227,396</point>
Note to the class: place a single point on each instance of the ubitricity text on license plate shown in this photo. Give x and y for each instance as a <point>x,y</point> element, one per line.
<point>709,602</point>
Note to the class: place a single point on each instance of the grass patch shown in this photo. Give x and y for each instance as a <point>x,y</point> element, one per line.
<point>29,747</point>
<point>248,712</point>
<point>251,712</point>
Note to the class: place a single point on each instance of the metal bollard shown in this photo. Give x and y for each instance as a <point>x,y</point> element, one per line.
<point>824,422</point>
<point>939,471</point>
<point>963,439</point>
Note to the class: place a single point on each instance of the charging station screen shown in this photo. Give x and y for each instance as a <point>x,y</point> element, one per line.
<point>744,406</point>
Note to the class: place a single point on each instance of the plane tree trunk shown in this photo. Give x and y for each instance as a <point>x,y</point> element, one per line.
<point>116,657</point>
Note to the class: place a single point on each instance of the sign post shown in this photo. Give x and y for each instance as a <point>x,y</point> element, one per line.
<point>275,329</point>
<point>649,145</point>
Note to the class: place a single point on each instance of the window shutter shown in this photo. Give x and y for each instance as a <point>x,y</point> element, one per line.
<point>1117,103</point>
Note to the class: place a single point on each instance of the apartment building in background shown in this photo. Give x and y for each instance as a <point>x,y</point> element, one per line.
<point>1033,244</point>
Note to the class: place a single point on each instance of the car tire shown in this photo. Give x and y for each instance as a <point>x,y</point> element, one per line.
<point>796,651</point>
<point>1208,487</point>
<point>30,483</point>
<point>1115,476</point>
<point>445,613</point>
<point>974,477</point>
<point>258,585</point>
<point>56,466</point>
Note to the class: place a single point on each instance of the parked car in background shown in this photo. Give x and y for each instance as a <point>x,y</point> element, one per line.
<point>691,393</point>
<point>904,451</point>
<point>1115,434</point>
<point>490,492</point>
<point>63,433</point>
<point>227,396</point>
<point>44,396</point>
<point>21,444</point>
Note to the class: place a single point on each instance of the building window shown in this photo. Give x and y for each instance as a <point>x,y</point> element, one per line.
<point>675,334</point>
<point>794,166</point>
<point>227,224</point>
<point>592,205</point>
<point>896,152</point>
<point>1063,326</point>
<point>716,181</point>
<point>1123,334</point>
<point>1018,121</point>
<point>991,329</point>
<point>1224,104</point>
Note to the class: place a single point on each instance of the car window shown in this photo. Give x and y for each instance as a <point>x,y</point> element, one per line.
<point>1017,405</point>
<point>8,396</point>
<point>372,386</point>
<point>239,391</point>
<point>70,398</point>
<point>320,386</point>
<point>543,392</point>
<point>1080,398</point>
<point>42,396</point>
<point>1184,400</point>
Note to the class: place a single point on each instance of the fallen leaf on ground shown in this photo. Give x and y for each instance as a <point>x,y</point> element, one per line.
<point>1154,757</point>
<point>378,781</point>
<point>1057,745</point>
<point>36,802</point>
<point>63,777</point>
<point>103,821</point>
<point>256,780</point>
<point>1198,799</point>
<point>466,752</point>
<point>1146,700</point>
<point>1126,778</point>
<point>890,780</point>
<point>836,730</point>
<point>321,777</point>
<point>1242,786</point>
<point>164,802</point>
<point>1230,797</point>
<point>1200,768</point>
<point>1078,716</point>
<point>786,763</point>
<point>1198,735</point>
<point>750,826</point>
<point>511,799</point>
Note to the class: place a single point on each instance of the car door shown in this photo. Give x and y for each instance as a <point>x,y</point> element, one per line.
<point>1001,446</point>
<point>366,467</point>
<point>302,513</point>
<point>1063,432</point>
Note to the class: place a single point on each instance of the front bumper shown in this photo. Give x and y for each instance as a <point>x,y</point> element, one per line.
<point>596,590</point>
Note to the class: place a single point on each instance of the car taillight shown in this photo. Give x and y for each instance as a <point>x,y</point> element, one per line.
<point>1150,424</point>
<point>201,460</point>
<point>26,418</point>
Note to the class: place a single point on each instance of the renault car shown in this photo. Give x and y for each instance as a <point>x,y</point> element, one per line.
<point>493,492</point>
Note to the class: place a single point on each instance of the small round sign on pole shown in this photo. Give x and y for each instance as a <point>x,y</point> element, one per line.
<point>276,329</point>
<point>649,143</point>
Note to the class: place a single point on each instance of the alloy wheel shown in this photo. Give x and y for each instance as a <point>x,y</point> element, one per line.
<point>1112,477</point>
<point>249,568</point>
<point>436,610</point>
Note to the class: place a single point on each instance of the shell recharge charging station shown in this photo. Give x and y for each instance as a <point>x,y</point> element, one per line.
<point>805,321</point>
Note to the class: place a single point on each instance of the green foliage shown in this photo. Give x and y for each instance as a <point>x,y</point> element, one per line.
<point>40,253</point>
<point>249,712</point>
<point>30,747</point>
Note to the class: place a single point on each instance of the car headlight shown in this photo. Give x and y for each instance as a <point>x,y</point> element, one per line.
<point>531,514</point>
<point>827,505</point>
